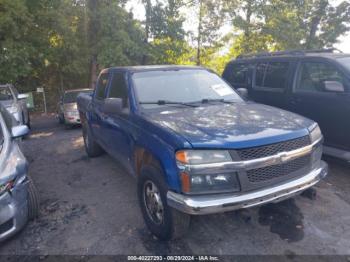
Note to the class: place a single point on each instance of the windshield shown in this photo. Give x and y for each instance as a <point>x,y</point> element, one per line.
<point>345,62</point>
<point>5,93</point>
<point>183,86</point>
<point>71,97</point>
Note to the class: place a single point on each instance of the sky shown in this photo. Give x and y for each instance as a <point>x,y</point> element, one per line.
<point>190,24</point>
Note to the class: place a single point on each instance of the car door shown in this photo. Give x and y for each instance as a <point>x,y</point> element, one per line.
<point>271,81</point>
<point>118,128</point>
<point>97,116</point>
<point>321,92</point>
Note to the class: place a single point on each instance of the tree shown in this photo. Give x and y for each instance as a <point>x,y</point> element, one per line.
<point>284,24</point>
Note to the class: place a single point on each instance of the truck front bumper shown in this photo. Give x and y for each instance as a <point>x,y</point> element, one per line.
<point>209,204</point>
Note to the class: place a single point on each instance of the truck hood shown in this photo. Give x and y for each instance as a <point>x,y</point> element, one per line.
<point>8,103</point>
<point>238,125</point>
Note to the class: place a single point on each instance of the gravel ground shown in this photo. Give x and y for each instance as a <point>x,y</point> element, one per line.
<point>89,207</point>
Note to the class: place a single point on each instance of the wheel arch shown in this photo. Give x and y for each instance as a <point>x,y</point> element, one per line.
<point>161,159</point>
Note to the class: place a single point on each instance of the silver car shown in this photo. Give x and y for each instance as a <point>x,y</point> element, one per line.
<point>15,103</point>
<point>18,196</point>
<point>67,108</point>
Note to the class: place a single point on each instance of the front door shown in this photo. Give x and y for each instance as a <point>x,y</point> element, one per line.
<point>118,128</point>
<point>97,117</point>
<point>321,93</point>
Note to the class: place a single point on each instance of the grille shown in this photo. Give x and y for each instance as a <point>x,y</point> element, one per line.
<point>272,172</point>
<point>273,149</point>
<point>6,226</point>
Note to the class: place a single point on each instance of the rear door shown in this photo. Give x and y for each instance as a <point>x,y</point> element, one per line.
<point>272,80</point>
<point>98,115</point>
<point>331,109</point>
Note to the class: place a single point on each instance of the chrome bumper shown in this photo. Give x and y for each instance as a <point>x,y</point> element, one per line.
<point>208,204</point>
<point>13,210</point>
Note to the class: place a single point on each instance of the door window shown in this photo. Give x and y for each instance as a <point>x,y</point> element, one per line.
<point>101,86</point>
<point>272,75</point>
<point>118,88</point>
<point>320,77</point>
<point>239,74</point>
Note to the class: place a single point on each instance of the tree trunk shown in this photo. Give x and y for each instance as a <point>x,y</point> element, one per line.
<point>199,32</point>
<point>315,21</point>
<point>148,9</point>
<point>93,29</point>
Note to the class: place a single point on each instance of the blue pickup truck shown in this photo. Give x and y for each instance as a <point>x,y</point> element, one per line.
<point>195,146</point>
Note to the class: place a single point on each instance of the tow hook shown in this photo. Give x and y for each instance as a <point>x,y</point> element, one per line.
<point>310,193</point>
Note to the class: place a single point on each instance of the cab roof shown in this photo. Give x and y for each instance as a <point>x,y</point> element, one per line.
<point>144,68</point>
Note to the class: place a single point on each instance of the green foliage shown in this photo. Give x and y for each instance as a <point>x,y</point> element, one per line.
<point>62,44</point>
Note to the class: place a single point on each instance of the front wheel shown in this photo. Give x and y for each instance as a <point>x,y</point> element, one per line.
<point>163,221</point>
<point>33,200</point>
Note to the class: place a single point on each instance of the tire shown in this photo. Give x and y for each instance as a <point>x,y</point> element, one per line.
<point>172,224</point>
<point>33,200</point>
<point>60,119</point>
<point>28,122</point>
<point>91,147</point>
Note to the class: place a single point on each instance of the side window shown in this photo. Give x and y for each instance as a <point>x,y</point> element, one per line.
<point>320,77</point>
<point>272,75</point>
<point>239,74</point>
<point>260,72</point>
<point>118,88</point>
<point>5,94</point>
<point>101,86</point>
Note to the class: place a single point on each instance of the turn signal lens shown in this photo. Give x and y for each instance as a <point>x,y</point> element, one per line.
<point>181,156</point>
<point>185,182</point>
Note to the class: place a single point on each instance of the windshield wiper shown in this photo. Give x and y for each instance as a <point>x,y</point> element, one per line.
<point>209,100</point>
<point>166,102</point>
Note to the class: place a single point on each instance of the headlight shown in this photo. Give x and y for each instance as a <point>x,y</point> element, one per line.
<point>196,183</point>
<point>195,157</point>
<point>209,183</point>
<point>315,133</point>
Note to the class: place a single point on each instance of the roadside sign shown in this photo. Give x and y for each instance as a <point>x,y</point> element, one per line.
<point>40,89</point>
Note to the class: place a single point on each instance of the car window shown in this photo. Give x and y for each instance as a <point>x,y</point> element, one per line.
<point>315,75</point>
<point>5,93</point>
<point>238,74</point>
<point>118,87</point>
<point>101,86</point>
<point>272,75</point>
<point>345,61</point>
<point>70,97</point>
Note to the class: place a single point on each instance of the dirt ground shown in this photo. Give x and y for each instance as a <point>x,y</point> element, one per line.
<point>89,207</point>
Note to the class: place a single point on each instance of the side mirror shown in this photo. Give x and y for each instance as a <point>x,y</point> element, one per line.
<point>333,86</point>
<point>22,96</point>
<point>243,92</point>
<point>113,105</point>
<point>19,131</point>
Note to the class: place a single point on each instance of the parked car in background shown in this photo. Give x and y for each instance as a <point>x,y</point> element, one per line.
<point>67,107</point>
<point>315,84</point>
<point>18,197</point>
<point>195,146</point>
<point>15,103</point>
